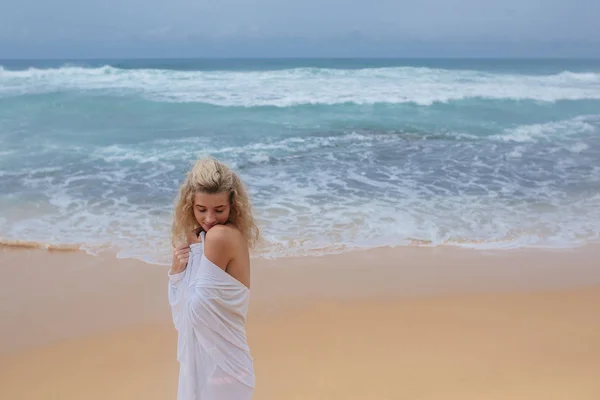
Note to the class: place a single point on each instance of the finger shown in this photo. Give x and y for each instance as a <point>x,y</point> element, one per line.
<point>183,255</point>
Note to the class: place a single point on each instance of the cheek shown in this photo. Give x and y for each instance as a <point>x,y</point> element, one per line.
<point>198,215</point>
<point>224,217</point>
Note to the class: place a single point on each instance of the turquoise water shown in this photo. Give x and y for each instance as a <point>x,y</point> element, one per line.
<point>337,154</point>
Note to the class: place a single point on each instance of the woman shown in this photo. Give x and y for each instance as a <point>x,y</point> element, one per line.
<point>209,284</point>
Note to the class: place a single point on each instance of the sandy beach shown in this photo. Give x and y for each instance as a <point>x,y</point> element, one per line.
<point>389,323</point>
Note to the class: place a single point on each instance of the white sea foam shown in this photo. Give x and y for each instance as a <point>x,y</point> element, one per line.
<point>578,147</point>
<point>310,204</point>
<point>550,131</point>
<point>299,86</point>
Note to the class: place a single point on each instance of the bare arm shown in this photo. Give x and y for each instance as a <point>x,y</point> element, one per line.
<point>218,247</point>
<point>225,246</point>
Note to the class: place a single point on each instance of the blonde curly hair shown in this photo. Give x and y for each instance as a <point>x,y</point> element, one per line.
<point>211,176</point>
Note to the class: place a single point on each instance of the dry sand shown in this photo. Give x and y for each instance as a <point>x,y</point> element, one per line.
<point>405,323</point>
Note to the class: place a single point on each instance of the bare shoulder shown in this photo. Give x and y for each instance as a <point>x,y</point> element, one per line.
<point>222,243</point>
<point>224,234</point>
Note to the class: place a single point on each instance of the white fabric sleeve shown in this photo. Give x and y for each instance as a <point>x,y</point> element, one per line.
<point>178,294</point>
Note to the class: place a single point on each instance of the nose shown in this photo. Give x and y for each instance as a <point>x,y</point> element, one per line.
<point>210,219</point>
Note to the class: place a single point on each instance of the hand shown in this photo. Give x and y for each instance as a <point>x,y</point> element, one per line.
<point>181,255</point>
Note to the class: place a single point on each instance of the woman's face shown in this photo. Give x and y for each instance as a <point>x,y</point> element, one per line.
<point>211,209</point>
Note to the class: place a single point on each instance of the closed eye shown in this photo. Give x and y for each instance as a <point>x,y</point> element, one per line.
<point>218,210</point>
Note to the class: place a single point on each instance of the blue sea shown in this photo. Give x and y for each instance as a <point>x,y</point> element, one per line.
<point>337,154</point>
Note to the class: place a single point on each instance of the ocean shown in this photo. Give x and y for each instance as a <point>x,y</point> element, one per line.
<point>336,154</point>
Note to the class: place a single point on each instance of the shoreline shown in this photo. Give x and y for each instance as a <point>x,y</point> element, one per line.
<point>259,256</point>
<point>417,322</point>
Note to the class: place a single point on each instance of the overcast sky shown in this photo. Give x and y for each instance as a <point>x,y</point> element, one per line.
<point>87,28</point>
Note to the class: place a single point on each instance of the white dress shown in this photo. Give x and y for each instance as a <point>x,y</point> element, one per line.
<point>209,309</point>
